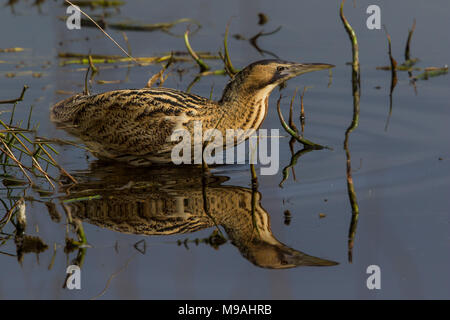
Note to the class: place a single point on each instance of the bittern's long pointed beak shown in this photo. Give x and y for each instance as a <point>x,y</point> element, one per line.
<point>297,69</point>
<point>301,259</point>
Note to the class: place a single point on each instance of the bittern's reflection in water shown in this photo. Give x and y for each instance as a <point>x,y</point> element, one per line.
<point>170,200</point>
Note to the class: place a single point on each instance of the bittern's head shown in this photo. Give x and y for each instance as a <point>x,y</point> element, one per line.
<point>265,75</point>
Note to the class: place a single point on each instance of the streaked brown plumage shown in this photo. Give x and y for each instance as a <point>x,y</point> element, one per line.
<point>170,200</point>
<point>135,126</point>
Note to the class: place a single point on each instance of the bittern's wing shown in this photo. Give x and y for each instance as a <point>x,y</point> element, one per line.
<point>127,122</point>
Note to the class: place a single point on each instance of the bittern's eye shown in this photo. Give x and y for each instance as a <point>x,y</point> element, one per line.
<point>279,69</point>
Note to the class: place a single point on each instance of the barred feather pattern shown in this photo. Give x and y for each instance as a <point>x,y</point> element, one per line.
<point>135,126</point>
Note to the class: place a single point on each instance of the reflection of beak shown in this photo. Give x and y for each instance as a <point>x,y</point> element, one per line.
<point>297,258</point>
<point>279,256</point>
<point>297,69</point>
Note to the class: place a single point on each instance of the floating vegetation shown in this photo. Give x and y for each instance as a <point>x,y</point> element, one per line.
<point>409,63</point>
<point>12,50</point>
<point>69,58</point>
<point>431,72</point>
<point>409,66</point>
<point>100,21</point>
<point>98,3</point>
<point>161,26</point>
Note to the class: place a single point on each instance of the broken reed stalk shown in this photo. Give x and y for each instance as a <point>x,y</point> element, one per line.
<point>393,76</point>
<point>227,61</point>
<point>55,164</point>
<point>292,163</point>
<point>13,101</point>
<point>28,152</point>
<point>254,41</point>
<point>352,35</point>
<point>393,62</point>
<point>86,91</point>
<point>205,70</point>
<point>125,38</point>
<point>35,162</point>
<point>159,75</point>
<point>10,212</point>
<point>350,185</point>
<point>91,64</point>
<point>355,120</point>
<point>302,110</point>
<point>254,184</point>
<point>408,41</point>
<point>291,116</point>
<point>305,142</point>
<point>11,155</point>
<point>203,66</point>
<point>80,231</point>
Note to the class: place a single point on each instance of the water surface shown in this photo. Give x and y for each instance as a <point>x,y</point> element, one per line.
<point>401,175</point>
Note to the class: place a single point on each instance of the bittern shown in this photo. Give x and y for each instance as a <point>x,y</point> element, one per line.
<point>135,126</point>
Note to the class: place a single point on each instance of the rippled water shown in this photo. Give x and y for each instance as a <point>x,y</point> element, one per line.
<point>401,174</point>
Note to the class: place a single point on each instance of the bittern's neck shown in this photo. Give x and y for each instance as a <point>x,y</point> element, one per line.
<point>246,104</point>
